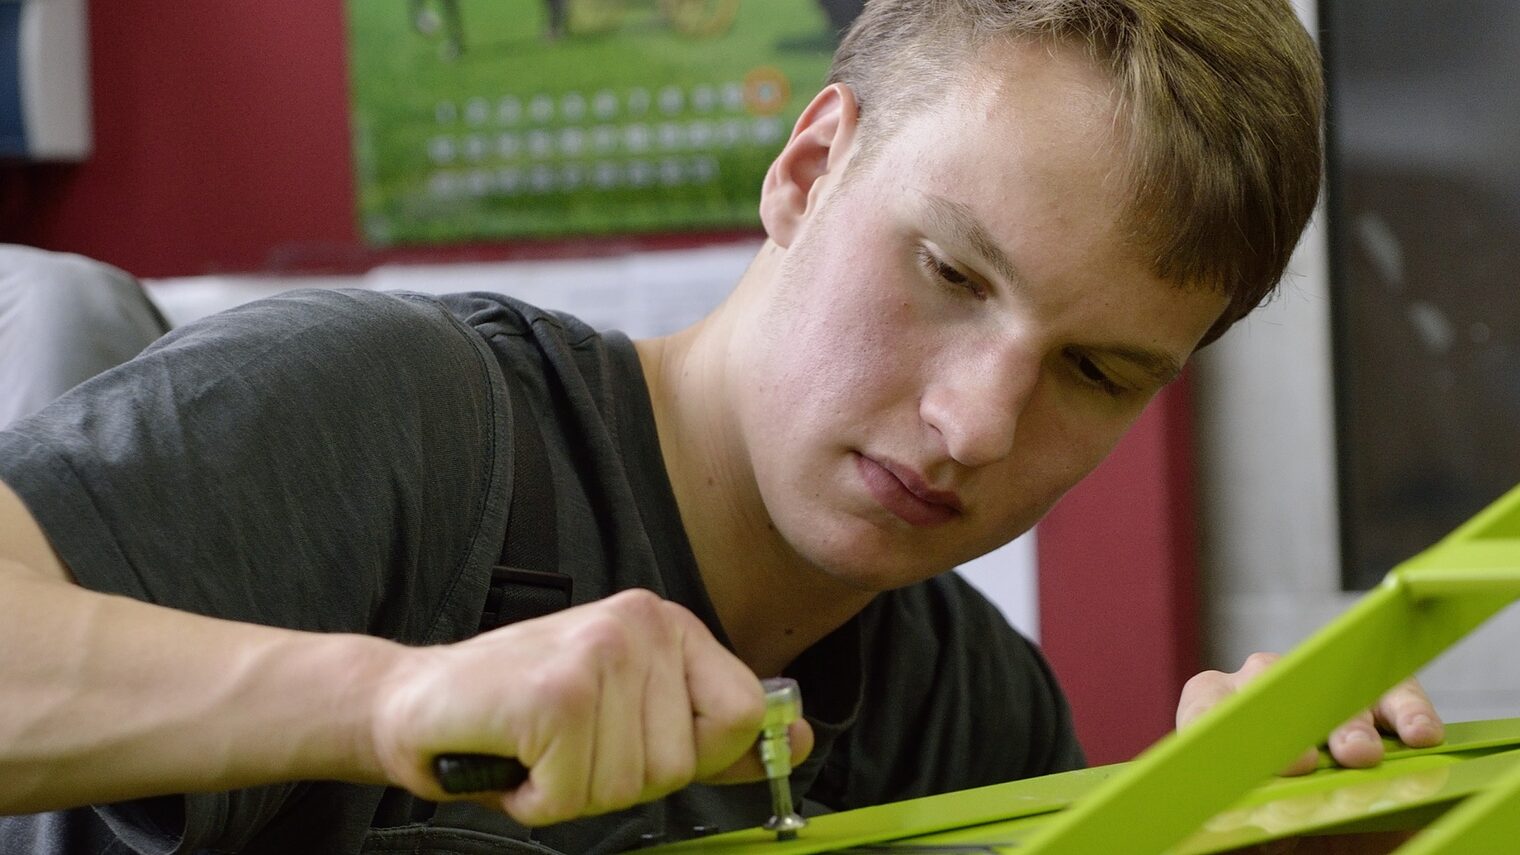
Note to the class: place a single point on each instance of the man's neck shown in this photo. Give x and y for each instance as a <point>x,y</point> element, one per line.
<point>771,602</point>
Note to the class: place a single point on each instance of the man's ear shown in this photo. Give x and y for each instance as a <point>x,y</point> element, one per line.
<point>819,145</point>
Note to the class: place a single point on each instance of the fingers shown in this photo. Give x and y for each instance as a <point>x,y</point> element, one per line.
<point>1204,691</point>
<point>727,703</point>
<point>668,730</point>
<point>1404,711</point>
<point>1407,712</point>
<point>659,703</point>
<point>1303,764</point>
<point>610,704</point>
<point>1356,743</point>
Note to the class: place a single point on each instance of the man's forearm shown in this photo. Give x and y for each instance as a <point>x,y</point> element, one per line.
<point>108,698</point>
<point>610,703</point>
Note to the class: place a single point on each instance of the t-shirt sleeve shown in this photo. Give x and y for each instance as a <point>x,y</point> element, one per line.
<point>324,461</point>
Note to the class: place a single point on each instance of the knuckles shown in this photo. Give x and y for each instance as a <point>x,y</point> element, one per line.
<point>667,773</point>
<point>1251,667</point>
<point>572,690</point>
<point>620,627</point>
<point>616,789</point>
<point>1203,679</point>
<point>637,605</point>
<point>1204,684</point>
<point>739,713</point>
<point>1257,662</point>
<point>605,639</point>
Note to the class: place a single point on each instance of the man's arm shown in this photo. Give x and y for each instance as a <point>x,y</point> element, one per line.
<point>108,698</point>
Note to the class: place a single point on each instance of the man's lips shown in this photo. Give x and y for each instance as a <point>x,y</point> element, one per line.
<point>903,492</point>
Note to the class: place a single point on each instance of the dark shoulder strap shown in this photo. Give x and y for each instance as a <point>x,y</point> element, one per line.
<point>527,582</point>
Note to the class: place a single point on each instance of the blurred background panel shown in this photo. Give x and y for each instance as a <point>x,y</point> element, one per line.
<point>489,119</point>
<point>1424,220</point>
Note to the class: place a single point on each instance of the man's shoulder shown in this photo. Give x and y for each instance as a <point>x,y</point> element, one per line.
<point>351,343</point>
<point>498,314</point>
<point>351,320</point>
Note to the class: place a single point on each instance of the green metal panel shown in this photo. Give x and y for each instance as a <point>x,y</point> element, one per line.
<point>1212,787</point>
<point>1399,795</point>
<point>1423,606</point>
<point>1403,793</point>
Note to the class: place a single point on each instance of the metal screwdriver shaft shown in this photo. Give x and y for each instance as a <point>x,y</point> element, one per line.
<point>783,705</point>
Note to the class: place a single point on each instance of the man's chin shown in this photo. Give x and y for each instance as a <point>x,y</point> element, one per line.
<point>875,577</point>
<point>862,554</point>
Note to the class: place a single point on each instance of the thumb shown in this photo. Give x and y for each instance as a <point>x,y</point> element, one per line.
<point>748,768</point>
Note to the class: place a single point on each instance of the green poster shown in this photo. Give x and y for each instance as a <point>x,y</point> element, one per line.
<point>481,119</point>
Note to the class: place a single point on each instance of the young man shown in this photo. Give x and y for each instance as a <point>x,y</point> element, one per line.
<point>996,233</point>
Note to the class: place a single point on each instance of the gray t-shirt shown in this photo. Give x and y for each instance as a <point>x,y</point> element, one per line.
<point>342,462</point>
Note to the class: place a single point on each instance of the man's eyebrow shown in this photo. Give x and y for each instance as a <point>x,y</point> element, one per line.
<point>1161,367</point>
<point>958,219</point>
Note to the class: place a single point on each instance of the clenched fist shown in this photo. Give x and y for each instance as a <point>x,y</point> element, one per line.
<point>608,704</point>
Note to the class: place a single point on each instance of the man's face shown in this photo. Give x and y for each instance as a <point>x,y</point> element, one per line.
<point>959,330</point>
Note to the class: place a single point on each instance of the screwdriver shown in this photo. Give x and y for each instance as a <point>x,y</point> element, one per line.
<point>783,705</point>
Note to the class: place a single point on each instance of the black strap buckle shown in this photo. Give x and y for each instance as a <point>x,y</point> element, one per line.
<point>518,595</point>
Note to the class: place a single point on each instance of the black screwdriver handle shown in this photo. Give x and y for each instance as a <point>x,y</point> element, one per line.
<point>478,773</point>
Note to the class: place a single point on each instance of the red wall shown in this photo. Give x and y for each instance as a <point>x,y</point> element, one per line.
<point>221,141</point>
<point>222,144</point>
<point>1118,585</point>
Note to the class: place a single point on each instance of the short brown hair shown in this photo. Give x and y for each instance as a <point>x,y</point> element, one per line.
<point>1223,101</point>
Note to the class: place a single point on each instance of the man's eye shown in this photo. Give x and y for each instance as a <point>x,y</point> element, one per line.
<point>949,274</point>
<point>1096,376</point>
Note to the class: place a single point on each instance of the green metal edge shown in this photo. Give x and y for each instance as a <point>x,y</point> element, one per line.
<point>876,824</point>
<point>1036,799</point>
<point>1401,794</point>
<point>1401,625</point>
<point>1486,822</point>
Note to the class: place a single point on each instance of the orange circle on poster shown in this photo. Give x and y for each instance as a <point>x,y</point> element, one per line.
<point>766,90</point>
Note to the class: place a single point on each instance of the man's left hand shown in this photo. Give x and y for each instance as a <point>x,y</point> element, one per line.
<point>1404,711</point>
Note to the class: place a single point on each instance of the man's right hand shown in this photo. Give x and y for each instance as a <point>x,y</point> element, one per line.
<point>609,704</point>
<point>110,699</point>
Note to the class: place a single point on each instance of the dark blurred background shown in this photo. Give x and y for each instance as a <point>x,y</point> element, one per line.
<point>1424,200</point>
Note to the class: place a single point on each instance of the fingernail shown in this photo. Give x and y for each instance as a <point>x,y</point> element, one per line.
<point>1422,721</point>
<point>1357,736</point>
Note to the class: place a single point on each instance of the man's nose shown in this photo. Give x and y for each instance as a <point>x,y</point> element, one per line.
<point>977,398</point>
